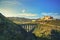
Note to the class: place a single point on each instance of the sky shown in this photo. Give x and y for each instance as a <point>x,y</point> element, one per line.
<point>30,8</point>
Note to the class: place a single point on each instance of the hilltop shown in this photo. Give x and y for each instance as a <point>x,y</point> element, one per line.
<point>48,20</point>
<point>48,28</point>
<point>19,20</point>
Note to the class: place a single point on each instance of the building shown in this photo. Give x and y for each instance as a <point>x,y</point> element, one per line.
<point>44,19</point>
<point>47,18</point>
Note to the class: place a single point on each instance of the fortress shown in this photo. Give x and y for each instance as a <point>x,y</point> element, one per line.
<point>47,18</point>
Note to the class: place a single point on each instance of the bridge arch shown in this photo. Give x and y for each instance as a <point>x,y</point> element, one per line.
<point>28,27</point>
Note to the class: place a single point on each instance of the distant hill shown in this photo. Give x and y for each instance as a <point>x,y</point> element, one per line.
<point>45,30</point>
<point>19,19</point>
<point>10,31</point>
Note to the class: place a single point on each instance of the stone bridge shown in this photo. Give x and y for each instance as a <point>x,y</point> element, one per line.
<point>28,27</point>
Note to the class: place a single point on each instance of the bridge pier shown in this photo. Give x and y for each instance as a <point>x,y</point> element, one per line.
<point>28,27</point>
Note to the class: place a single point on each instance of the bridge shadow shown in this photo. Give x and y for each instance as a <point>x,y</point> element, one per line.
<point>32,29</point>
<point>28,27</point>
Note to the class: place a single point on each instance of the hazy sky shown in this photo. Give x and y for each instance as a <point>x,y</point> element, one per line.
<point>30,8</point>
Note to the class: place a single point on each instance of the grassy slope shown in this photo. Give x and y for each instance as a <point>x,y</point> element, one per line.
<point>19,20</point>
<point>48,31</point>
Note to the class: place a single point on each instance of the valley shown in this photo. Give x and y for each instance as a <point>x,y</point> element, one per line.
<point>15,28</point>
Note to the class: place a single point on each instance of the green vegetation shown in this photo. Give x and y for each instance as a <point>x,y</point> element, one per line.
<point>51,22</point>
<point>19,20</point>
<point>10,31</point>
<point>54,22</point>
<point>48,30</point>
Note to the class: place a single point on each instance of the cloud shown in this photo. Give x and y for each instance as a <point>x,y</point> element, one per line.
<point>23,10</point>
<point>44,13</point>
<point>55,15</point>
<point>13,2</point>
<point>6,12</point>
<point>19,15</point>
<point>11,13</point>
<point>28,14</point>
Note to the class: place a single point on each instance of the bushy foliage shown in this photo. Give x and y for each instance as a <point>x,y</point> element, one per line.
<point>47,32</point>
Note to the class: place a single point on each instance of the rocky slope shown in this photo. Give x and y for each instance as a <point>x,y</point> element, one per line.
<point>48,30</point>
<point>10,31</point>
